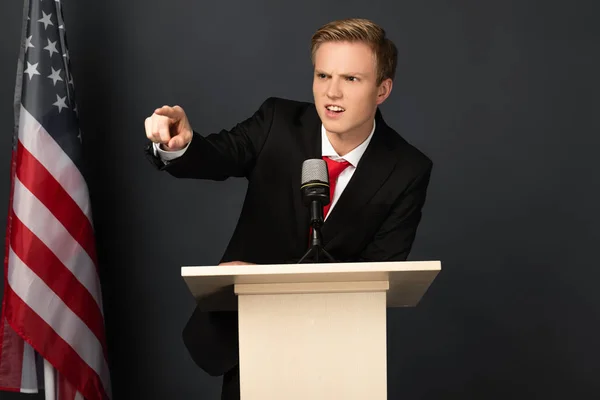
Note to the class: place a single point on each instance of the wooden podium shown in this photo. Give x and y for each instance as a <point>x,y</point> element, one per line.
<point>312,331</point>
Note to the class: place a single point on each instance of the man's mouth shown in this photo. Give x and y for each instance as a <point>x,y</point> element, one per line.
<point>335,108</point>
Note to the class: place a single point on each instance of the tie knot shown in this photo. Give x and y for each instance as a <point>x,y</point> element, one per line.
<point>335,168</point>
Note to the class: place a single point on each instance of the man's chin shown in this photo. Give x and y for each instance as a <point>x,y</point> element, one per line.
<point>336,127</point>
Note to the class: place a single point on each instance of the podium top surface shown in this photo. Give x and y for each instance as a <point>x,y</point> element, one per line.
<point>213,285</point>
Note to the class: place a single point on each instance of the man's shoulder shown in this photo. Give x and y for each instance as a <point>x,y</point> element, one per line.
<point>407,151</point>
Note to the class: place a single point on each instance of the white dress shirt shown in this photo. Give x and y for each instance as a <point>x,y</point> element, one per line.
<point>353,157</point>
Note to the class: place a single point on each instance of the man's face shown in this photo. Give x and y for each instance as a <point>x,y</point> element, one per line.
<point>345,87</point>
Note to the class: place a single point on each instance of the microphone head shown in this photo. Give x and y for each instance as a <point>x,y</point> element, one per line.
<point>314,170</point>
<point>315,182</point>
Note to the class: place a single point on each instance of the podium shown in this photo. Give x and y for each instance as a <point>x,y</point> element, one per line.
<point>311,331</point>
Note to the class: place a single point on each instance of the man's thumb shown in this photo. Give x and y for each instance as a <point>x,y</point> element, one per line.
<point>176,142</point>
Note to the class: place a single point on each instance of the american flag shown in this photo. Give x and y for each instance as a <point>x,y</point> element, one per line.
<point>52,329</point>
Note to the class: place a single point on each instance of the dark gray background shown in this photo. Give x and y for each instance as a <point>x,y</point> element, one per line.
<point>502,95</point>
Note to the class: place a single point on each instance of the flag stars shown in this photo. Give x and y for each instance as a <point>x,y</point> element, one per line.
<point>51,48</point>
<point>28,43</point>
<point>32,70</point>
<point>60,103</point>
<point>46,20</point>
<point>55,76</point>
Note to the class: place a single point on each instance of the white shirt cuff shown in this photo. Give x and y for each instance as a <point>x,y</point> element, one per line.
<point>166,155</point>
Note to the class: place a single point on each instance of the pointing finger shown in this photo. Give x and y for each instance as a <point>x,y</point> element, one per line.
<point>174,113</point>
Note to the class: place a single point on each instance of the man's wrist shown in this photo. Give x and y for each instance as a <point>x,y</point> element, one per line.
<point>168,155</point>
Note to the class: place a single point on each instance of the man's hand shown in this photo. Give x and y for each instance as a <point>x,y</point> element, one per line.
<point>236,263</point>
<point>170,127</point>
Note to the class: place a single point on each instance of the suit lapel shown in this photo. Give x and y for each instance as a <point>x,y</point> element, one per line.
<point>373,169</point>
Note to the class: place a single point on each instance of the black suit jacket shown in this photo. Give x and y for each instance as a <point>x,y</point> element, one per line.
<point>375,219</point>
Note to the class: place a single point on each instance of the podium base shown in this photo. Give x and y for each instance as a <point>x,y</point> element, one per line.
<point>313,340</point>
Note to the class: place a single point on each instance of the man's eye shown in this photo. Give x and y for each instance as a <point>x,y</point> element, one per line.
<point>352,78</point>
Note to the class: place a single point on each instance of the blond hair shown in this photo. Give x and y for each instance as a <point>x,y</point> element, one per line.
<point>360,30</point>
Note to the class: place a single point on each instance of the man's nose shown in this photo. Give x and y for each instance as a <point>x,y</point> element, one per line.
<point>333,89</point>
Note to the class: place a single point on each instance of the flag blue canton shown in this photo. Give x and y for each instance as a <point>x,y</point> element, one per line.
<point>47,83</point>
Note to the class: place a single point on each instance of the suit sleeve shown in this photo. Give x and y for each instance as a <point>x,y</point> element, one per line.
<point>228,153</point>
<point>212,340</point>
<point>394,239</point>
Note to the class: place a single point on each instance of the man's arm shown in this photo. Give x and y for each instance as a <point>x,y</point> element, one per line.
<point>394,239</point>
<point>218,156</point>
<point>212,340</point>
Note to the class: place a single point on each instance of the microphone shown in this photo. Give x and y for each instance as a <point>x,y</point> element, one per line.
<point>315,189</point>
<point>315,195</point>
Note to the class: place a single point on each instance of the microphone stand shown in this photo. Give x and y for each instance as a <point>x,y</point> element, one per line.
<point>316,250</point>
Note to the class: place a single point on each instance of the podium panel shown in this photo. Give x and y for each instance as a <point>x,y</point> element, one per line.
<point>313,346</point>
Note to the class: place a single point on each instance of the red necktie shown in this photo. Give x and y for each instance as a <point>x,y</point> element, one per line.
<point>335,169</point>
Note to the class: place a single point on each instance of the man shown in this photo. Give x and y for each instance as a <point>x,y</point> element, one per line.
<point>379,181</point>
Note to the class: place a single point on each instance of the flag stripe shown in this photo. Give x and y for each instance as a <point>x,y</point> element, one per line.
<point>53,311</point>
<point>43,147</point>
<point>11,363</point>
<point>54,348</point>
<point>65,390</point>
<point>63,131</point>
<point>34,253</point>
<point>28,372</point>
<point>45,226</point>
<point>42,184</point>
<point>49,380</point>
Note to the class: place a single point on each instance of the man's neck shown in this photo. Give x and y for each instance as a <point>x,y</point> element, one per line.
<point>348,141</point>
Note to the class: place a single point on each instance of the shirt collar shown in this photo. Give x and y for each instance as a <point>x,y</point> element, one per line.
<point>353,157</point>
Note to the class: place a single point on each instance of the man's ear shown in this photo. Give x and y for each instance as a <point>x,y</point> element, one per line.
<point>384,90</point>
